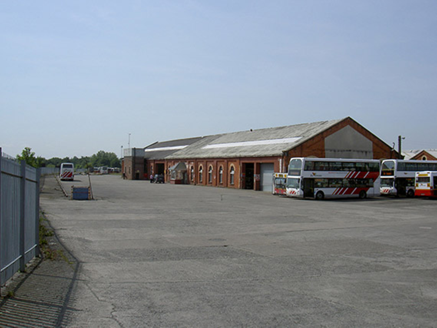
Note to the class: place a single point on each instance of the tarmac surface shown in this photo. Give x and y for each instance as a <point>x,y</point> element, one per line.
<point>40,296</point>
<point>161,255</point>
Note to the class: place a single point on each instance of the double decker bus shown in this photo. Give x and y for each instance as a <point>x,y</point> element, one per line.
<point>66,172</point>
<point>426,184</point>
<point>397,175</point>
<point>321,178</point>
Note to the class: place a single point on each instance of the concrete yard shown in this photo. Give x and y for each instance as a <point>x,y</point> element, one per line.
<point>161,255</point>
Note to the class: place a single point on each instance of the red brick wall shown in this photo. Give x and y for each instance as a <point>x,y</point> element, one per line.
<point>133,167</point>
<point>216,163</point>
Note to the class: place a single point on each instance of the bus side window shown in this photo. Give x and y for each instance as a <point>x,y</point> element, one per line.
<point>335,183</point>
<point>374,167</point>
<point>335,166</point>
<point>309,166</point>
<point>319,166</point>
<point>320,183</point>
<point>411,167</point>
<point>349,183</point>
<point>361,183</point>
<point>349,166</point>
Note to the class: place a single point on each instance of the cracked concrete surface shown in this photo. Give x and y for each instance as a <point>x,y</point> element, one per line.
<point>168,255</point>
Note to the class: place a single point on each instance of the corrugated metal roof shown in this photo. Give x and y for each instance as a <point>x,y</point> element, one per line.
<point>161,150</point>
<point>252,143</point>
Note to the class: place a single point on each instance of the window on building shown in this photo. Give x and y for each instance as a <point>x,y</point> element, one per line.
<point>192,173</point>
<point>232,174</point>
<point>221,175</point>
<point>424,158</point>
<point>210,175</point>
<point>200,174</point>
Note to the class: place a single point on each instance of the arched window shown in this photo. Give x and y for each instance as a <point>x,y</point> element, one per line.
<point>232,174</point>
<point>221,175</point>
<point>200,174</point>
<point>210,174</point>
<point>192,173</point>
<point>424,158</point>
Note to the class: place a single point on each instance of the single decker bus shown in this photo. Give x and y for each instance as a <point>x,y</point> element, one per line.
<point>397,175</point>
<point>66,172</point>
<point>279,183</point>
<point>426,184</point>
<point>321,178</point>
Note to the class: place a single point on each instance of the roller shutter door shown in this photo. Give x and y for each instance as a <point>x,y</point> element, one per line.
<point>267,177</point>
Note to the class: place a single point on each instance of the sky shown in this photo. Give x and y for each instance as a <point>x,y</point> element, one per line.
<point>78,77</point>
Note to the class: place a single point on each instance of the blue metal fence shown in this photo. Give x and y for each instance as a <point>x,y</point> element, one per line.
<point>19,216</point>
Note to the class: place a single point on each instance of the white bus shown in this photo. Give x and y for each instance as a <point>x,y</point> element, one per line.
<point>321,178</point>
<point>397,175</point>
<point>279,183</point>
<point>426,184</point>
<point>66,172</point>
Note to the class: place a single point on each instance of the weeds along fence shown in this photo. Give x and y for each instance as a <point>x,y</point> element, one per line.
<point>19,216</point>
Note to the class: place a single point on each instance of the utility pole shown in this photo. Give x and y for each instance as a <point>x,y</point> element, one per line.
<point>128,141</point>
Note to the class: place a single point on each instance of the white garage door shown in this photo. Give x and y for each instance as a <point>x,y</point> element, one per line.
<point>267,177</point>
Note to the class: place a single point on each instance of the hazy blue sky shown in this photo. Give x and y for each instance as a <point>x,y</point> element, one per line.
<point>77,77</point>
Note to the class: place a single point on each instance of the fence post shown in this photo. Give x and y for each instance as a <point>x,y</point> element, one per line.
<point>38,181</point>
<point>22,216</point>
<point>1,217</point>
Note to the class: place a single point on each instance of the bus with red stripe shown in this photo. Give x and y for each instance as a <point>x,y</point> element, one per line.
<point>321,178</point>
<point>426,184</point>
<point>397,175</point>
<point>66,172</point>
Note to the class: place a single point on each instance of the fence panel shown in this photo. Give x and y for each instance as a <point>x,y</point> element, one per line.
<point>19,216</point>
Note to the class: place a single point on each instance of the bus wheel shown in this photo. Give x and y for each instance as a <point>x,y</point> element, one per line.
<point>320,195</point>
<point>410,193</point>
<point>362,194</point>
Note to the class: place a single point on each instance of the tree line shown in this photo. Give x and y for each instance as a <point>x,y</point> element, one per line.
<point>102,158</point>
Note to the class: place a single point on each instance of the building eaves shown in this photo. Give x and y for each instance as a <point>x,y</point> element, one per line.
<point>432,152</point>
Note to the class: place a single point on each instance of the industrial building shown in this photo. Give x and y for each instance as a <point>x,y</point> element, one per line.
<point>247,159</point>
